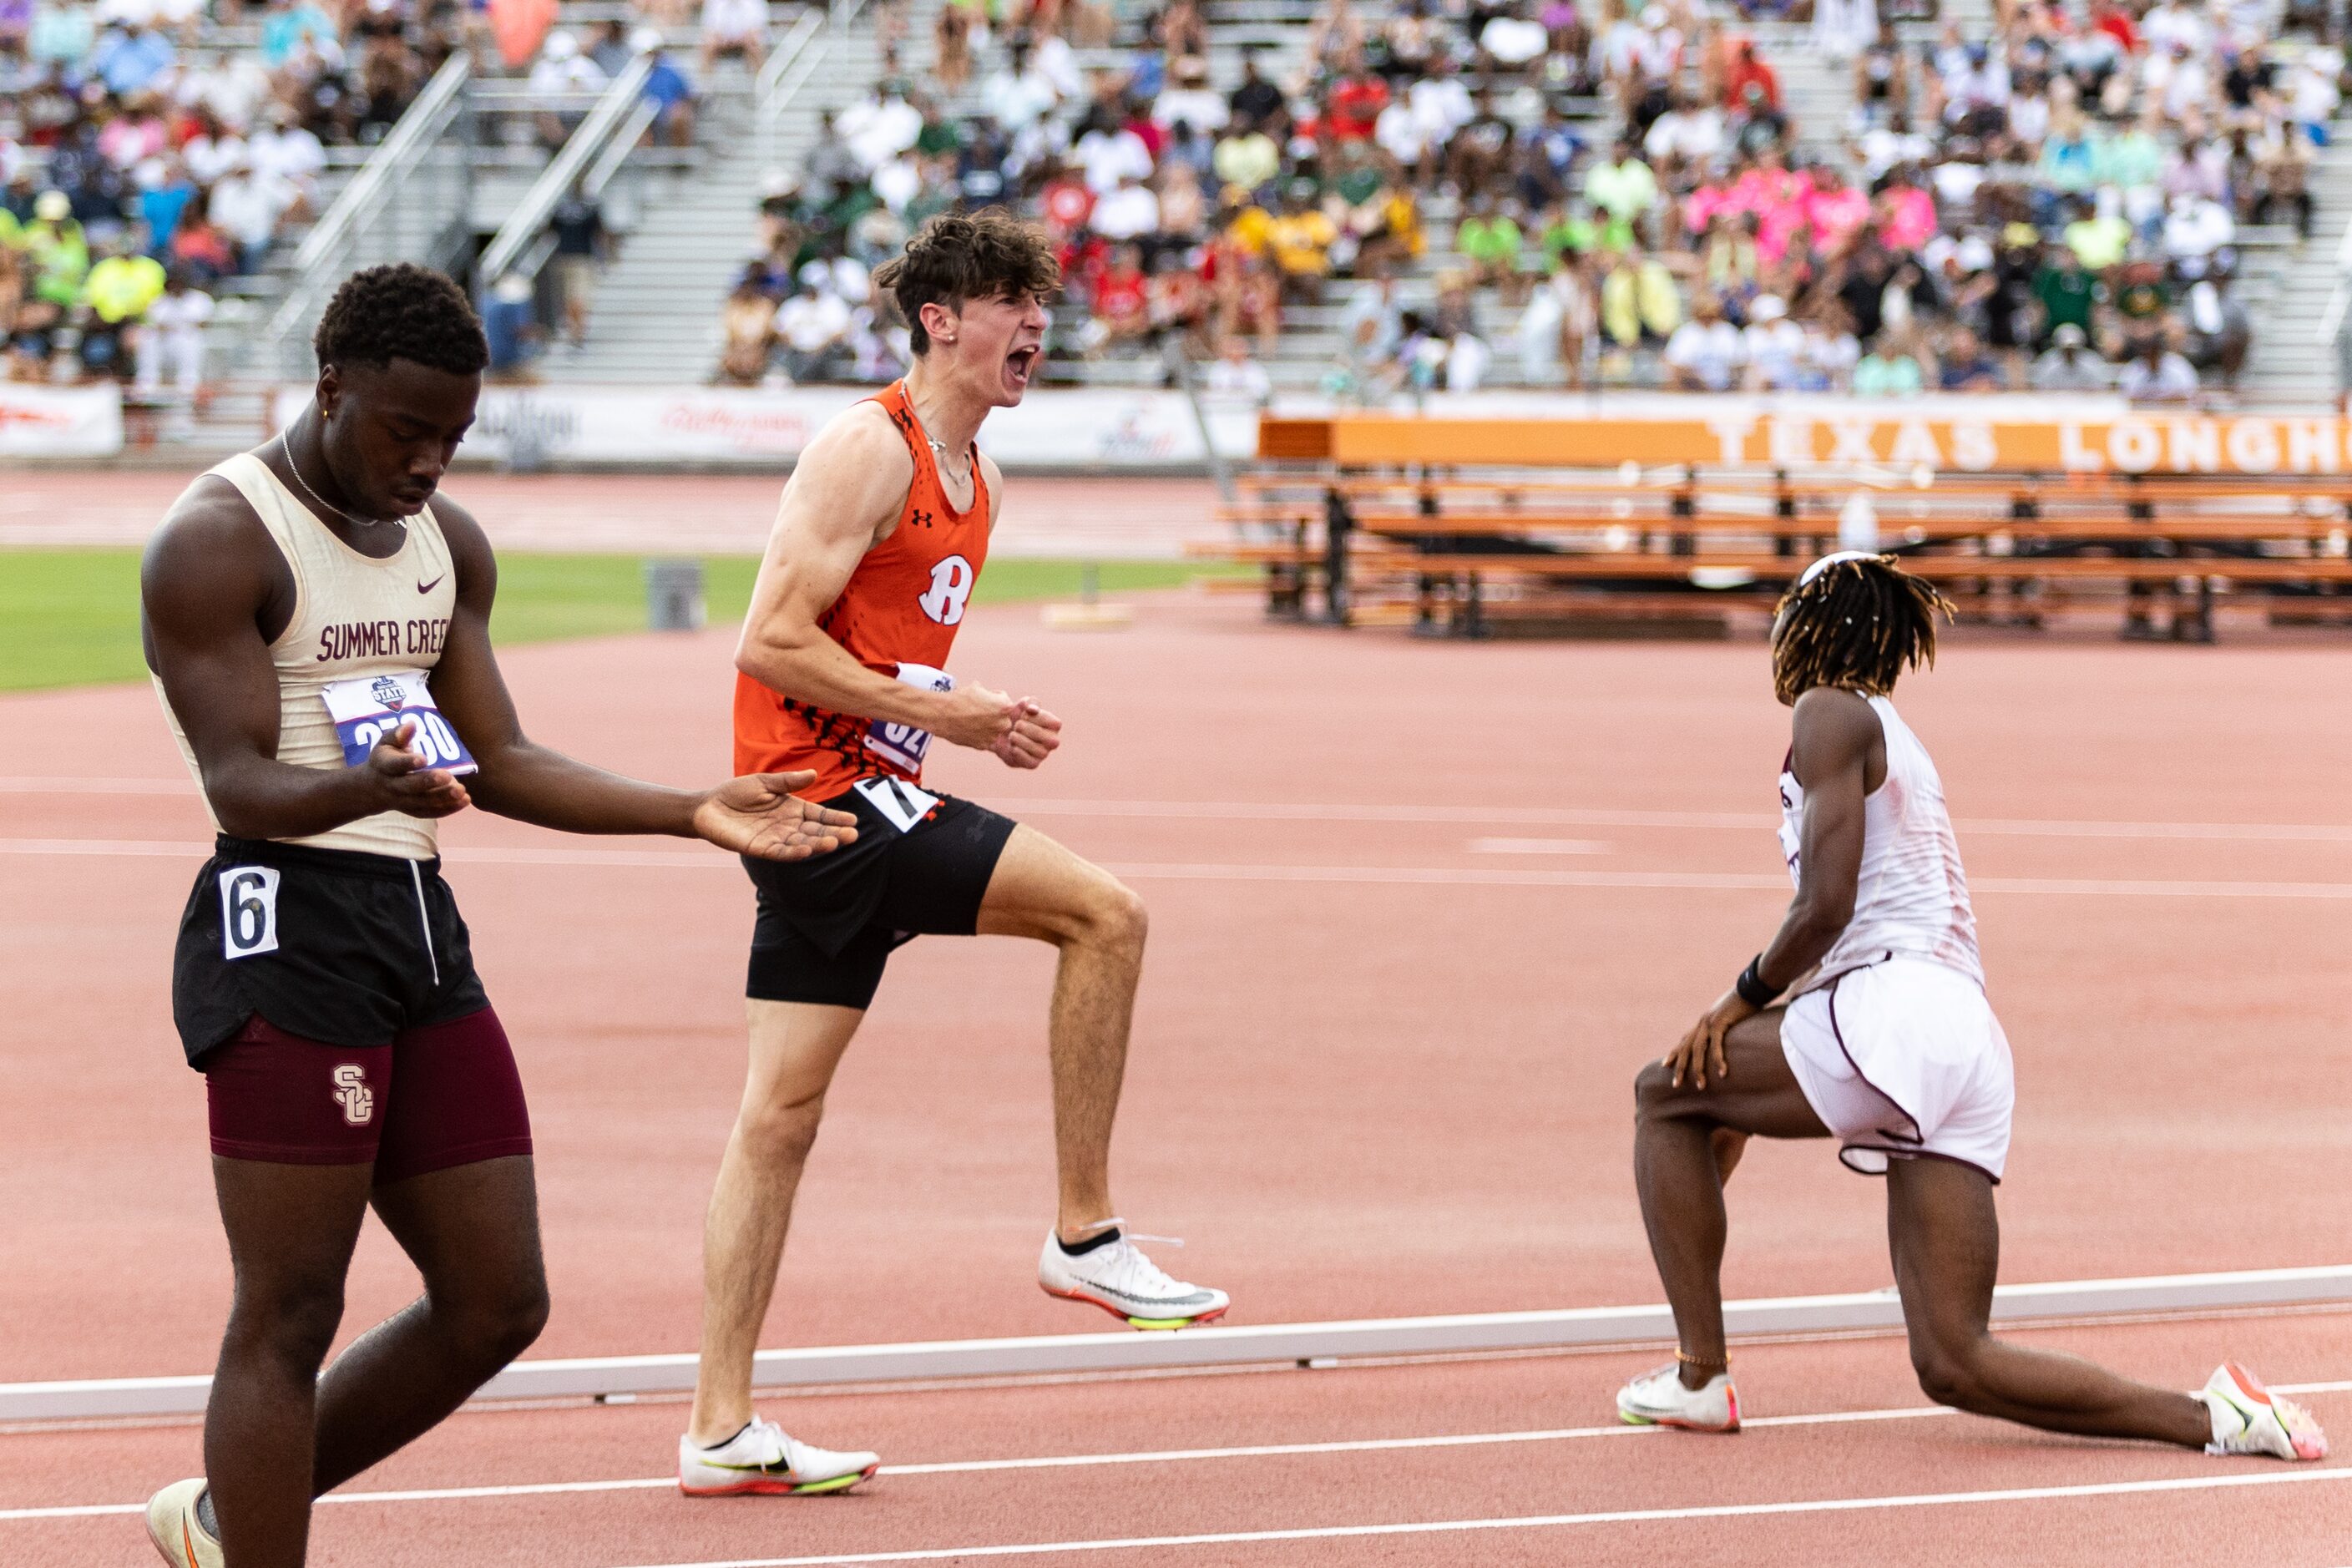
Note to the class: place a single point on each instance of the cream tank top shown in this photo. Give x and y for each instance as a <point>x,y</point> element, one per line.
<point>354,618</point>
<point>1912,897</point>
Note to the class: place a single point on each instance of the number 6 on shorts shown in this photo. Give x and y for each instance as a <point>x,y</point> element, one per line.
<point>248,910</point>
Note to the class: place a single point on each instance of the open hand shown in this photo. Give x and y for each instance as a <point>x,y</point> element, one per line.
<point>403,782</point>
<point>759,815</point>
<point>1032,738</point>
<point>1701,1050</point>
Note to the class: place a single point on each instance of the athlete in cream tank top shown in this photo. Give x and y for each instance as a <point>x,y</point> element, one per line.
<point>1912,897</point>
<point>356,619</point>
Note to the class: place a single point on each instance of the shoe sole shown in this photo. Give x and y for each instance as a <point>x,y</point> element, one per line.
<point>771,1487</point>
<point>1121,1313</point>
<point>1631,1419</point>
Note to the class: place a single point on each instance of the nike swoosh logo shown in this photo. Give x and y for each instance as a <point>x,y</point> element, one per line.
<point>428,587</point>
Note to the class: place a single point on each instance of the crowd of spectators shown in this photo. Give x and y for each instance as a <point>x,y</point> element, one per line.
<point>152,149</point>
<point>2056,206</point>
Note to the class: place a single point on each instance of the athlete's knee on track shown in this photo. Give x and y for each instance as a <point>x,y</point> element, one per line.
<point>289,1322</point>
<point>1107,914</point>
<point>1947,1369</point>
<point>779,1132</point>
<point>1655,1091</point>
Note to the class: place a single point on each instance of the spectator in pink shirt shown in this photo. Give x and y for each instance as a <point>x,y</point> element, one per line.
<point>1907,215</point>
<point>1836,210</point>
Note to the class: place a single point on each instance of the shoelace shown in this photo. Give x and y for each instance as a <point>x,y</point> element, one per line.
<point>1128,1269</point>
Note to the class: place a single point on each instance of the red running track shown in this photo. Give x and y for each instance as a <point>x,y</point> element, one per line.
<point>1393,1007</point>
<point>1842,1463</point>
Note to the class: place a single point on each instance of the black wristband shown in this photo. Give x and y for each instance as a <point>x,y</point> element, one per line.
<point>1751,986</point>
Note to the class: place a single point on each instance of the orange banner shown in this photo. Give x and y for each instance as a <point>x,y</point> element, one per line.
<point>2249,444</point>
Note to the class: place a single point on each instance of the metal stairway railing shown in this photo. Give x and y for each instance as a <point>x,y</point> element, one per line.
<point>408,203</point>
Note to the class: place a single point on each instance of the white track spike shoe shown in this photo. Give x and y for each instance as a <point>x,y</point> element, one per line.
<point>1112,1273</point>
<point>762,1461</point>
<point>2250,1419</point>
<point>1659,1399</point>
<point>178,1534</point>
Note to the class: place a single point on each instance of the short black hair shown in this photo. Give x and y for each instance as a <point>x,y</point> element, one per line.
<point>401,312</point>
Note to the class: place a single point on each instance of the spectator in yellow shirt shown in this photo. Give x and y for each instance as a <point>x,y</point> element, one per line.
<point>1301,240</point>
<point>116,294</point>
<point>1639,301</point>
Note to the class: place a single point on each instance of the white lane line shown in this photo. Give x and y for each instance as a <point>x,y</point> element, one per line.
<point>1381,876</point>
<point>1538,846</point>
<point>1548,1522</point>
<point>1522,816</point>
<point>1090,1461</point>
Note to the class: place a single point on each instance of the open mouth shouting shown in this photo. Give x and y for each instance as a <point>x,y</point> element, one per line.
<point>1021,364</point>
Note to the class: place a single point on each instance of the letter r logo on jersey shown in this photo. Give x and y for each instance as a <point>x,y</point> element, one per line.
<point>352,1093</point>
<point>951,582</point>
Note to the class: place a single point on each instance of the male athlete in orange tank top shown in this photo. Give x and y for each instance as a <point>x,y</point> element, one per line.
<point>901,607</point>
<point>879,542</point>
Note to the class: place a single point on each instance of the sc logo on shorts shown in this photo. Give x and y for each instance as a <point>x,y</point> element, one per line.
<point>352,1093</point>
<point>951,582</point>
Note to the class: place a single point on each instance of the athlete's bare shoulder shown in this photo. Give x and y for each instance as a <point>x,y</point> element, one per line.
<point>212,555</point>
<point>865,435</point>
<point>1833,729</point>
<point>852,479</point>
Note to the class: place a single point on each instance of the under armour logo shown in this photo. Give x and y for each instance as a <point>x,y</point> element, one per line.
<point>353,1095</point>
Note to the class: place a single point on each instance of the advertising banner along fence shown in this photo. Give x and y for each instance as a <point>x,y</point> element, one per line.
<point>2110,440</point>
<point>1143,428</point>
<point>59,421</point>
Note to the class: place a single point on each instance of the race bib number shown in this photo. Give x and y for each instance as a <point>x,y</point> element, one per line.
<point>248,910</point>
<point>903,746</point>
<point>902,804</point>
<point>371,708</point>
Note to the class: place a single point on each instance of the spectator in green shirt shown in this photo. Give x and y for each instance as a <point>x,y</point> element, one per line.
<point>2098,243</point>
<point>1571,232</point>
<point>1886,371</point>
<point>1247,158</point>
<point>2066,292</point>
<point>1623,187</point>
<point>1489,240</point>
<point>2127,159</point>
<point>53,241</point>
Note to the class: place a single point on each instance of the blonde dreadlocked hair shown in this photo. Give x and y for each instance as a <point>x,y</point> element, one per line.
<point>1856,621</point>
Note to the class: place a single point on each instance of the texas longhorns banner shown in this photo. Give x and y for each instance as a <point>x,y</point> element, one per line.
<point>2112,442</point>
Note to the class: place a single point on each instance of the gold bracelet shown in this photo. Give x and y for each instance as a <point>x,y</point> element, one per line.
<point>1700,1360</point>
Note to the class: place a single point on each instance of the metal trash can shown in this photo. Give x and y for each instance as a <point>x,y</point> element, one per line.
<point>674,595</point>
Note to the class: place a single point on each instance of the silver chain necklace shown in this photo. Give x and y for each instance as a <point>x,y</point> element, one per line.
<point>296,469</point>
<point>938,449</point>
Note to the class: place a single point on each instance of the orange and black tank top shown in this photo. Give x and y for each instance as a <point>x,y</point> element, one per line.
<point>898,616</point>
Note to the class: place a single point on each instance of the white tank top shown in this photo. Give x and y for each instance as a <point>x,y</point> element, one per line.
<point>1913,898</point>
<point>353,616</point>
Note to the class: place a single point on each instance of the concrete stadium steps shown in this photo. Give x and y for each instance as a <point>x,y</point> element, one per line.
<point>656,316</point>
<point>2289,361</point>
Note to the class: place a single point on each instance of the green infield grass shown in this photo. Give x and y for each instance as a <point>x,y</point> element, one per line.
<point>70,617</point>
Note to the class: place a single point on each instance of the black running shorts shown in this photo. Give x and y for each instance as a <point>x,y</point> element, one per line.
<point>827,926</point>
<point>330,945</point>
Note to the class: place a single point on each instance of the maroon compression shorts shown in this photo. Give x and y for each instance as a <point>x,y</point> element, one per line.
<point>436,1097</point>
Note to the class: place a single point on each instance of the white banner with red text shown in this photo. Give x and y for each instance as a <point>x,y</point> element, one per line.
<point>59,421</point>
<point>1094,428</point>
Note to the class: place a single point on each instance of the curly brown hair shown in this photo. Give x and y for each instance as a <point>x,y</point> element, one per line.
<point>960,256</point>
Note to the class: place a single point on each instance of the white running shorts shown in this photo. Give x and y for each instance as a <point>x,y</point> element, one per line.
<point>1902,1060</point>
